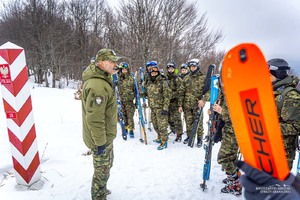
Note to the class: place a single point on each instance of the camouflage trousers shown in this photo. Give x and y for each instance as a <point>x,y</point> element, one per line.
<point>227,156</point>
<point>102,165</point>
<point>128,110</point>
<point>175,118</point>
<point>160,124</point>
<point>290,145</point>
<point>190,115</point>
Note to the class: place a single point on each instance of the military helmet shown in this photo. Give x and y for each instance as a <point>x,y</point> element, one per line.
<point>279,67</point>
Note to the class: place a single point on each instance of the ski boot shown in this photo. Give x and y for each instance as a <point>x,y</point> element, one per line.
<point>131,134</point>
<point>199,142</point>
<point>233,185</point>
<point>172,131</point>
<point>163,145</point>
<point>186,140</point>
<point>178,138</point>
<point>157,141</point>
<point>227,179</point>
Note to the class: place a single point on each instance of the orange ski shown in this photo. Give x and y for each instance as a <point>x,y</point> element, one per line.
<point>250,99</point>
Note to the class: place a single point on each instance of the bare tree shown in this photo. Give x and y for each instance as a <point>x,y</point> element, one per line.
<point>61,36</point>
<point>165,30</point>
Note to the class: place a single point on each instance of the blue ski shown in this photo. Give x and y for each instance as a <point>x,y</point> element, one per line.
<point>212,123</point>
<point>143,137</point>
<point>120,114</point>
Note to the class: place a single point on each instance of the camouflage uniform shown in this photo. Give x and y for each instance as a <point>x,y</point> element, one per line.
<point>159,95</point>
<point>227,156</point>
<point>184,75</point>
<point>102,164</point>
<point>175,123</point>
<point>126,91</point>
<point>99,120</point>
<point>228,153</point>
<point>289,116</point>
<point>190,93</point>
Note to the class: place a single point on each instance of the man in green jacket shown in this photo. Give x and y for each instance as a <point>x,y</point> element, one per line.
<point>99,117</point>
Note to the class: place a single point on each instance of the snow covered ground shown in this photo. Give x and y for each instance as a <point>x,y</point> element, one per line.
<point>140,172</point>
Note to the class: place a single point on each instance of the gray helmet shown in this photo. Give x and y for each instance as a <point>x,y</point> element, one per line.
<point>185,66</point>
<point>194,62</point>
<point>171,64</point>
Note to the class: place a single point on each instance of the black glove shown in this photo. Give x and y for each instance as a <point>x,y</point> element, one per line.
<point>101,150</point>
<point>261,185</point>
<point>164,112</point>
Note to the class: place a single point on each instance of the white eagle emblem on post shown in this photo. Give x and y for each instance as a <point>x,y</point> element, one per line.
<point>4,71</point>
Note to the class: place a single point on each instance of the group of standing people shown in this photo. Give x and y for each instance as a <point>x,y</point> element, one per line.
<point>169,95</point>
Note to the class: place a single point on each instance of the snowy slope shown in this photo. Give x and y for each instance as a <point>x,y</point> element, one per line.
<point>140,171</point>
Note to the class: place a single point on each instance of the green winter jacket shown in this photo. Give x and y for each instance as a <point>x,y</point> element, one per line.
<point>99,108</point>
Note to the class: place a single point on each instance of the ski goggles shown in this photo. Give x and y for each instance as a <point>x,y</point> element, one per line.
<point>123,66</point>
<point>184,66</point>
<point>272,67</point>
<point>170,65</point>
<point>192,64</point>
<point>154,69</point>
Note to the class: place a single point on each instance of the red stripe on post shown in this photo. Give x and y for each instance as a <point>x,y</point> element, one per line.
<point>20,81</point>
<point>10,55</point>
<point>22,146</point>
<point>27,174</point>
<point>22,114</point>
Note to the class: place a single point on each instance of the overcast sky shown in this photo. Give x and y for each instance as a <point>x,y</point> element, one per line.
<point>274,25</point>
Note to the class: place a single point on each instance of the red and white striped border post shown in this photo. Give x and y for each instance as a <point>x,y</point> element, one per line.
<point>19,116</point>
